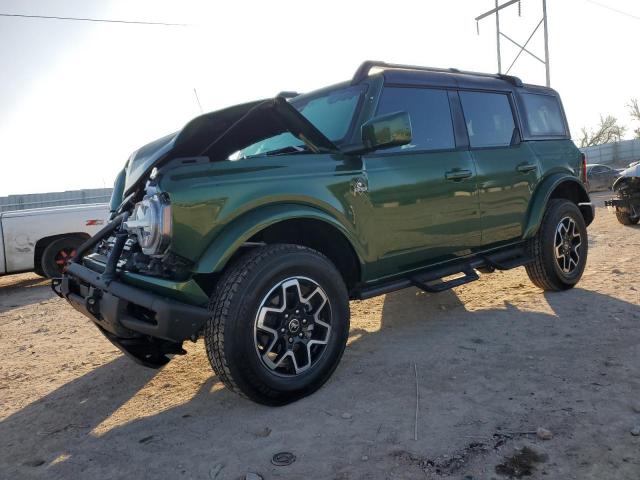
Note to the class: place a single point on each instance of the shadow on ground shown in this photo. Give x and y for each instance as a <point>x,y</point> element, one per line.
<point>21,290</point>
<point>479,372</point>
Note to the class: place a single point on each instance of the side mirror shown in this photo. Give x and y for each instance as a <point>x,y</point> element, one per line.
<point>386,131</point>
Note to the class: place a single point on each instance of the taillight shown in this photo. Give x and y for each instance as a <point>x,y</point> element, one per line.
<point>585,180</point>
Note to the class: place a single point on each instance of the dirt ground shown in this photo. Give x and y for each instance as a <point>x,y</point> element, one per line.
<point>495,360</point>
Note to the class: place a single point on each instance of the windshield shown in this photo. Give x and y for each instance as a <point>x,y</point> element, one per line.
<point>330,112</point>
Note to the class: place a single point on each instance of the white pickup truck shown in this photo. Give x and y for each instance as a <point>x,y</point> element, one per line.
<point>42,240</point>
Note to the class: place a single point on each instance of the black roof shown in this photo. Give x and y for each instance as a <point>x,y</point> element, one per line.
<point>451,77</point>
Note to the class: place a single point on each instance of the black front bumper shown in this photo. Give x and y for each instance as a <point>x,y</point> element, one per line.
<point>144,325</point>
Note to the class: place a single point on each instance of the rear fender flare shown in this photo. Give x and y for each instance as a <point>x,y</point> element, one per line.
<point>234,235</point>
<point>544,192</point>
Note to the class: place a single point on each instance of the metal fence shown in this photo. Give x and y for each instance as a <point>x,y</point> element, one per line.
<point>619,154</point>
<point>54,199</point>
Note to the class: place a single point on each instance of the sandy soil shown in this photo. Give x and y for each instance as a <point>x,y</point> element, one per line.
<point>495,360</point>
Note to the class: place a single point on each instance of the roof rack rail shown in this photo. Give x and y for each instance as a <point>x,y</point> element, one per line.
<point>366,66</point>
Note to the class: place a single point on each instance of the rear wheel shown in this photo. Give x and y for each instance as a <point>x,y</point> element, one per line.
<point>625,218</point>
<point>560,247</point>
<point>57,254</point>
<point>279,324</point>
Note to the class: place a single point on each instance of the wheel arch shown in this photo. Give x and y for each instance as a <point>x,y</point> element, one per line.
<point>557,186</point>
<point>287,223</point>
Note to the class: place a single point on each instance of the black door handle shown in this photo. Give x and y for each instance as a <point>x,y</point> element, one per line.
<point>456,175</point>
<point>526,167</point>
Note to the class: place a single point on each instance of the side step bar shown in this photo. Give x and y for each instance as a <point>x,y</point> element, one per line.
<point>434,285</point>
<point>431,280</point>
<point>508,259</point>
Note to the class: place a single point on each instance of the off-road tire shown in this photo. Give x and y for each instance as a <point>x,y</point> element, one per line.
<point>48,265</point>
<point>624,218</point>
<point>229,332</point>
<point>544,271</point>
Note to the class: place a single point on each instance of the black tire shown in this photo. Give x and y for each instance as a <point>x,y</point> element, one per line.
<point>231,334</point>
<point>546,271</point>
<point>624,218</point>
<point>56,255</point>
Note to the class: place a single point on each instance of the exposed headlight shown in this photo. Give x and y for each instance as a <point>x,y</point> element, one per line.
<point>151,223</point>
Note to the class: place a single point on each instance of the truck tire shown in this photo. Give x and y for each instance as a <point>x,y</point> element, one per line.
<point>624,218</point>
<point>279,323</point>
<point>559,249</point>
<point>57,254</point>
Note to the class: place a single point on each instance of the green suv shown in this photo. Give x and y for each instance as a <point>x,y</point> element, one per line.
<point>254,226</point>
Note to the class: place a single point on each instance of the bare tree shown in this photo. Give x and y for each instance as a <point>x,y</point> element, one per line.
<point>634,111</point>
<point>608,131</point>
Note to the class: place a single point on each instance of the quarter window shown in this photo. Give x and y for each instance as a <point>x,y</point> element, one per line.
<point>431,124</point>
<point>489,119</point>
<point>543,113</point>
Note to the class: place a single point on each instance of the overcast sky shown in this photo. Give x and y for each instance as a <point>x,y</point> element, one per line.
<point>76,98</point>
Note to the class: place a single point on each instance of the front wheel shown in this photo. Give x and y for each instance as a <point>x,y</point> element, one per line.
<point>279,324</point>
<point>560,247</point>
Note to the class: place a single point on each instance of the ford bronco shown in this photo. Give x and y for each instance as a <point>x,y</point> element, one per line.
<point>254,225</point>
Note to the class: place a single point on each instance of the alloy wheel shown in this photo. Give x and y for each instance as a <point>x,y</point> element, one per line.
<point>63,257</point>
<point>567,245</point>
<point>292,326</point>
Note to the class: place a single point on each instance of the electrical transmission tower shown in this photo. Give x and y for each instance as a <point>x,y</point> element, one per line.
<point>523,48</point>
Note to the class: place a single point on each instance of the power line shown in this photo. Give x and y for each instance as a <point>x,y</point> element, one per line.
<point>621,12</point>
<point>104,20</point>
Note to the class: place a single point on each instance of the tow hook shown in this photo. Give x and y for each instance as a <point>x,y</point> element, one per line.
<point>93,303</point>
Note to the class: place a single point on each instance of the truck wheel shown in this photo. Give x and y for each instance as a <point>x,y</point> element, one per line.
<point>279,323</point>
<point>624,218</point>
<point>57,254</point>
<point>560,247</point>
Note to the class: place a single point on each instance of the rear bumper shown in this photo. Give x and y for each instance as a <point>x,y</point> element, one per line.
<point>143,324</point>
<point>588,210</point>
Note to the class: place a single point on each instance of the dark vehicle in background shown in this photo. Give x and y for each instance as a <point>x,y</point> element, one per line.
<point>627,201</point>
<point>601,177</point>
<point>255,225</point>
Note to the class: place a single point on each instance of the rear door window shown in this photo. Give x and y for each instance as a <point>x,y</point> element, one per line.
<point>543,114</point>
<point>431,124</point>
<point>489,119</point>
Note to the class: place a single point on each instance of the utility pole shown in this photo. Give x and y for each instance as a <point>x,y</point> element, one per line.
<point>546,41</point>
<point>498,37</point>
<point>523,48</point>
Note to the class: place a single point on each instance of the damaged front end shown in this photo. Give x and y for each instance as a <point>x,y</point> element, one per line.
<point>126,278</point>
<point>627,201</point>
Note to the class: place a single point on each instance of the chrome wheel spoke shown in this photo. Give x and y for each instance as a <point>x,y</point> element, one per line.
<point>292,326</point>
<point>567,242</point>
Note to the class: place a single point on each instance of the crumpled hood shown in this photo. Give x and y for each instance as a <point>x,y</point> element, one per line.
<point>219,134</point>
<point>625,175</point>
<point>631,171</point>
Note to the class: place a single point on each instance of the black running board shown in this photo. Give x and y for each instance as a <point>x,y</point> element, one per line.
<point>508,259</point>
<point>431,280</point>
<point>435,285</point>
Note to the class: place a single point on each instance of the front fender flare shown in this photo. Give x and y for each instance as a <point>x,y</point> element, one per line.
<point>241,229</point>
<point>541,197</point>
